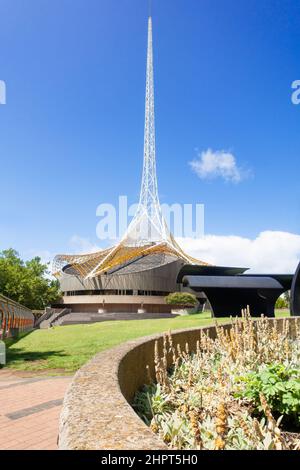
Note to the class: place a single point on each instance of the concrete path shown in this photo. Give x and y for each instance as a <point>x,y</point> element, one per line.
<point>29,410</point>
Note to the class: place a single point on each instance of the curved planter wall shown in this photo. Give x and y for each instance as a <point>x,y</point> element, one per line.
<point>96,412</point>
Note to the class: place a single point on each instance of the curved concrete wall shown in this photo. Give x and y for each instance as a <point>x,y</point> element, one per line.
<point>162,278</point>
<point>96,412</point>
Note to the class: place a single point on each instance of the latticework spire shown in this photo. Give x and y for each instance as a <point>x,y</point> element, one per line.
<point>148,233</point>
<point>148,224</point>
<point>149,192</point>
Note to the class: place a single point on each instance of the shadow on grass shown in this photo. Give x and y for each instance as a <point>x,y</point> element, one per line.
<point>19,355</point>
<point>10,341</point>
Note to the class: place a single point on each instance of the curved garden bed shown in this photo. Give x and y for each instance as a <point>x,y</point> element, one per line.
<point>97,413</point>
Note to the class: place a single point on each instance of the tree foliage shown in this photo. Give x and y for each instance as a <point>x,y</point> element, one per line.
<point>184,299</point>
<point>26,282</point>
<point>282,302</point>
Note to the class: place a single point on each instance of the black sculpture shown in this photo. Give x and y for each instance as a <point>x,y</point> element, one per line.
<point>229,290</point>
<point>295,294</point>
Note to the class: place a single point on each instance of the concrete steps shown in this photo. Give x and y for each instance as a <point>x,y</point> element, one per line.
<point>75,318</point>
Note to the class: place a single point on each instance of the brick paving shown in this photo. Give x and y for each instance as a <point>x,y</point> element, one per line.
<point>29,411</point>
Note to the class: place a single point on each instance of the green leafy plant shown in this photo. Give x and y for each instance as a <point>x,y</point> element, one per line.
<point>279,384</point>
<point>152,401</point>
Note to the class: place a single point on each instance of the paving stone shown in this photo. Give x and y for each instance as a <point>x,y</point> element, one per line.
<point>30,409</point>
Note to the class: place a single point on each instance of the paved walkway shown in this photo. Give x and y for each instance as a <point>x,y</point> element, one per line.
<point>29,410</point>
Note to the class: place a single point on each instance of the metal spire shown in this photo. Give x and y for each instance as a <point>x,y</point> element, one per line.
<point>149,200</point>
<point>148,232</point>
<point>149,193</point>
<point>148,224</point>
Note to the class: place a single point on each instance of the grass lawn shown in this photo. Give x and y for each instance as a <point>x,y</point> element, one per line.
<point>64,349</point>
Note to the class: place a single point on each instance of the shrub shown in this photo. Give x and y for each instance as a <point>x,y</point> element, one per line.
<point>184,299</point>
<point>282,302</point>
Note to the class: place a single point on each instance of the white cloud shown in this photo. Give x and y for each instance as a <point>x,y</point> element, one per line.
<point>45,255</point>
<point>212,164</point>
<point>270,252</point>
<point>82,245</point>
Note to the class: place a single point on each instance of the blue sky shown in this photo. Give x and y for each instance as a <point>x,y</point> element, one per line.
<point>71,133</point>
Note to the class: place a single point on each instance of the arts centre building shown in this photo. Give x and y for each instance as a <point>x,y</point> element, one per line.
<point>143,267</point>
<point>136,274</point>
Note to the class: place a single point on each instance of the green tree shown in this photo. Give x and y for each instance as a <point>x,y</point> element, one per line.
<point>282,302</point>
<point>183,299</point>
<point>287,297</point>
<point>27,282</point>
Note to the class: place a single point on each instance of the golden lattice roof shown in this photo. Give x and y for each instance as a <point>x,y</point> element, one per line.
<point>95,264</point>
